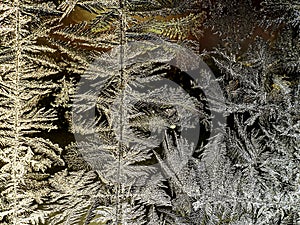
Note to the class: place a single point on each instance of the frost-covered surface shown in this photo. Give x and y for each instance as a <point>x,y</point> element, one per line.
<point>110,115</point>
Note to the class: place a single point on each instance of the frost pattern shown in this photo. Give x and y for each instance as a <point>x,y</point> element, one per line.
<point>116,151</point>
